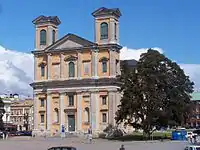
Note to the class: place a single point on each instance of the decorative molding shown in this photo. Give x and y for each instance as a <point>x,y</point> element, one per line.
<point>103,59</point>
<point>55,63</point>
<point>42,63</point>
<point>86,60</point>
<point>70,58</point>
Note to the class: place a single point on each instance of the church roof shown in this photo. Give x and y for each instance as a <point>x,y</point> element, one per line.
<point>75,38</point>
<point>45,19</point>
<point>106,11</point>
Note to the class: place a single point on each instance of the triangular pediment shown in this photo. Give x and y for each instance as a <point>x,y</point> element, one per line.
<point>70,41</point>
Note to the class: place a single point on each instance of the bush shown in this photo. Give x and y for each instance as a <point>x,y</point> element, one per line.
<point>137,138</point>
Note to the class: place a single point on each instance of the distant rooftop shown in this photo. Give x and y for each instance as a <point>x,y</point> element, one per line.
<point>195,96</point>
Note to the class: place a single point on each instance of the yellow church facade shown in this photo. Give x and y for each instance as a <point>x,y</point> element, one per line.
<point>75,82</point>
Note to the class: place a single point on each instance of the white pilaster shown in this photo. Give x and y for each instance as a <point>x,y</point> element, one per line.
<point>111,105</point>
<point>35,112</point>
<point>48,111</point>
<point>35,68</point>
<point>79,65</point>
<point>118,33</point>
<point>62,115</point>
<point>61,65</point>
<point>37,45</point>
<point>94,111</point>
<point>79,111</point>
<point>49,35</point>
<point>95,63</point>
<point>112,31</point>
<point>112,62</point>
<point>49,66</point>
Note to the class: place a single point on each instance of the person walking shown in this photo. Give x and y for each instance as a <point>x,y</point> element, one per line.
<point>122,147</point>
<point>90,135</point>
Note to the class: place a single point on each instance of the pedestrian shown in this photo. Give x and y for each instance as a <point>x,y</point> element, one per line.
<point>90,135</point>
<point>122,147</point>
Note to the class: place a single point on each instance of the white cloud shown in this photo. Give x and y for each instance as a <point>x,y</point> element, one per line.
<point>127,53</point>
<point>192,70</point>
<point>17,69</point>
<point>16,72</point>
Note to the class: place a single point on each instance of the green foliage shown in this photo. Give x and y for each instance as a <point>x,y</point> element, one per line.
<point>2,112</point>
<point>156,93</point>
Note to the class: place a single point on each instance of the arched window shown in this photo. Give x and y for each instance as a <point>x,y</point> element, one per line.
<point>53,36</point>
<point>86,115</point>
<point>42,67</point>
<point>71,69</point>
<point>104,66</point>
<point>104,30</point>
<point>43,37</point>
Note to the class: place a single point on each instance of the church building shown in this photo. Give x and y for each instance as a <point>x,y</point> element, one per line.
<point>75,82</point>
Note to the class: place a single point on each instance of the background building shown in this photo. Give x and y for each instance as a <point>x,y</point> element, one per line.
<point>194,120</point>
<point>22,114</point>
<point>7,99</point>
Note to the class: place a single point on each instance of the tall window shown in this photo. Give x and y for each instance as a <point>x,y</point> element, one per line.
<point>53,36</point>
<point>43,37</point>
<point>104,101</point>
<point>42,67</point>
<point>56,71</point>
<point>71,100</point>
<point>42,118</point>
<point>115,31</point>
<point>104,66</point>
<point>42,102</point>
<point>71,69</point>
<point>86,66</point>
<point>104,30</point>
<point>104,117</point>
<point>87,115</point>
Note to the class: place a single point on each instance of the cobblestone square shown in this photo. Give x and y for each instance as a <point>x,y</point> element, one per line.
<point>26,143</point>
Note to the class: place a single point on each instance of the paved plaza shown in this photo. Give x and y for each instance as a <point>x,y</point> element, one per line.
<point>26,143</point>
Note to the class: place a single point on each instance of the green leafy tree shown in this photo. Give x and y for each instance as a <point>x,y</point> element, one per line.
<point>2,112</point>
<point>156,93</point>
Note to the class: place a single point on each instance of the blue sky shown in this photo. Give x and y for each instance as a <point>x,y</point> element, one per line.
<point>173,25</point>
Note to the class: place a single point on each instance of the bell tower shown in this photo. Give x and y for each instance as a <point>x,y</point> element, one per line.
<point>46,31</point>
<point>107,25</point>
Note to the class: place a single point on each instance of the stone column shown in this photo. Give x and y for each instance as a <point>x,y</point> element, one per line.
<point>35,111</point>
<point>94,110</point>
<point>62,115</point>
<point>111,107</point>
<point>48,122</point>
<point>49,66</point>
<point>112,62</point>
<point>79,111</point>
<point>61,65</point>
<point>95,63</point>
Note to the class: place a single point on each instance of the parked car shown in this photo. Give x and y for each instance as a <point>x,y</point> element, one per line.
<point>192,147</point>
<point>63,148</point>
<point>196,132</point>
<point>24,133</point>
